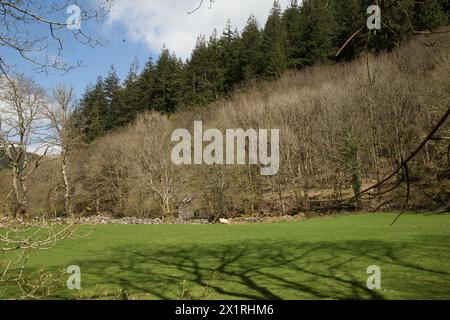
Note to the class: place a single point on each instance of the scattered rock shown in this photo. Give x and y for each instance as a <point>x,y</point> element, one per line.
<point>224,221</point>
<point>105,220</point>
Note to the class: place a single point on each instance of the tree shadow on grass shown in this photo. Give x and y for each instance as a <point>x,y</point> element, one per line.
<point>259,270</point>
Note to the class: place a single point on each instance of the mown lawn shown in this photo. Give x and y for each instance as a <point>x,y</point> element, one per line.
<point>324,258</point>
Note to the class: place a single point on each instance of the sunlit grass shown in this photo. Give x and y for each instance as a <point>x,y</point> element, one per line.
<point>324,258</point>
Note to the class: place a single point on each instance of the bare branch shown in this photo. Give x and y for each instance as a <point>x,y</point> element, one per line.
<point>30,30</point>
<point>200,5</point>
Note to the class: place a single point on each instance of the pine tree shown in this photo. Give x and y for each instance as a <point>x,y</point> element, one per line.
<point>113,98</point>
<point>350,17</point>
<point>93,111</point>
<point>229,48</point>
<point>446,8</point>
<point>319,27</point>
<point>130,95</point>
<point>146,85</point>
<point>168,82</point>
<point>200,87</point>
<point>396,24</point>
<point>216,69</point>
<point>430,14</point>
<point>133,72</point>
<point>292,22</point>
<point>274,44</point>
<point>250,54</point>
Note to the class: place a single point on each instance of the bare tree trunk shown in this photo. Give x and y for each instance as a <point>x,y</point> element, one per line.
<point>280,197</point>
<point>17,183</point>
<point>21,206</point>
<point>167,206</point>
<point>67,200</point>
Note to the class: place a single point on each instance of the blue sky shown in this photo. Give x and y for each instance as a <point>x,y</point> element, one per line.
<point>140,28</point>
<point>117,51</point>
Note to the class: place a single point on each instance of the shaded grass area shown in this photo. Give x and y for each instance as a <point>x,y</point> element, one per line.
<point>323,258</point>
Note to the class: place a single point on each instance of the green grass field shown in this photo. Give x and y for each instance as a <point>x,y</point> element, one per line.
<point>324,258</point>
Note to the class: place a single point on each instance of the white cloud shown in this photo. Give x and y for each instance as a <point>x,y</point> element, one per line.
<point>158,22</point>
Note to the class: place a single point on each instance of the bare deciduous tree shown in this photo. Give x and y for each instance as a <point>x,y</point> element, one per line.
<point>22,103</point>
<point>152,163</point>
<point>61,133</point>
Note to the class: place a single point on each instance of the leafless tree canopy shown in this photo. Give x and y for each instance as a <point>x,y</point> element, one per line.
<point>21,114</point>
<point>37,31</point>
<point>61,135</point>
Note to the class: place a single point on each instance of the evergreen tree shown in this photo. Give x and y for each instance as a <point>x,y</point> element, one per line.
<point>446,7</point>
<point>291,20</point>
<point>133,72</point>
<point>168,85</point>
<point>229,47</point>
<point>146,85</point>
<point>93,111</point>
<point>113,98</point>
<point>350,17</point>
<point>130,95</point>
<point>200,88</point>
<point>319,28</point>
<point>274,44</point>
<point>430,14</point>
<point>396,24</point>
<point>250,54</point>
<point>217,69</point>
